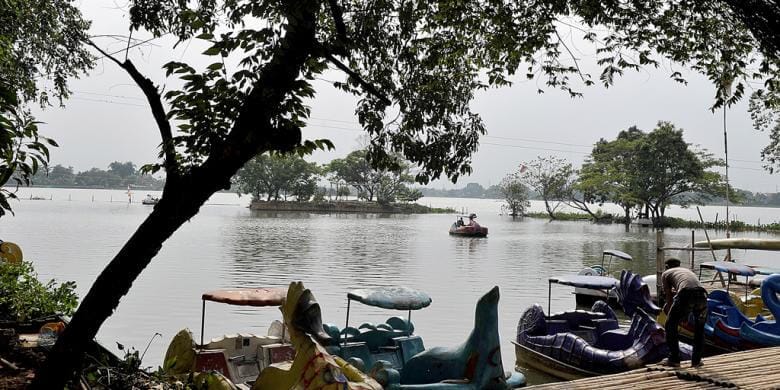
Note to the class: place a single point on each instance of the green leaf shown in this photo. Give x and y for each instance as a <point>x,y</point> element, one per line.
<point>212,51</point>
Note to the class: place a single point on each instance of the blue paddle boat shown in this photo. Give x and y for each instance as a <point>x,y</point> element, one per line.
<point>395,356</point>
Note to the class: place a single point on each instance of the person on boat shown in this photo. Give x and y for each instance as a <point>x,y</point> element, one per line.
<point>683,296</point>
<point>472,222</point>
<point>460,222</point>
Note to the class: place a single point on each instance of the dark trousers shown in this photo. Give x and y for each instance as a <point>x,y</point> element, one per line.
<point>687,301</point>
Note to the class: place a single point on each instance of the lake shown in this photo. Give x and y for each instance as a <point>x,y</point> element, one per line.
<point>74,233</point>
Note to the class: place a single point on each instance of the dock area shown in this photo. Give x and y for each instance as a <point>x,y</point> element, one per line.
<point>754,369</point>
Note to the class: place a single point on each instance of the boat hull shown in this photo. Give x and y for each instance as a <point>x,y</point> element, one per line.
<point>546,364</point>
<point>468,231</point>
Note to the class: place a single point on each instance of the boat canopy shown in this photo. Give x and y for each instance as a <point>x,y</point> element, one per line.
<point>617,253</point>
<point>268,296</point>
<point>396,297</point>
<point>586,281</point>
<point>762,270</point>
<point>741,243</point>
<point>729,267</point>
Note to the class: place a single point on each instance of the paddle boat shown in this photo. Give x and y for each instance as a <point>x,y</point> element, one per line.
<point>150,200</point>
<point>313,366</point>
<point>238,357</point>
<point>733,321</point>
<point>576,344</point>
<point>472,229</point>
<point>395,356</point>
<point>587,296</point>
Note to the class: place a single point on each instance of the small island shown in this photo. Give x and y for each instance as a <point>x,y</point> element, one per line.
<point>347,206</point>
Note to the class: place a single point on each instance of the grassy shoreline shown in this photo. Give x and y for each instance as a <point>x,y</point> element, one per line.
<point>348,207</point>
<point>667,222</point>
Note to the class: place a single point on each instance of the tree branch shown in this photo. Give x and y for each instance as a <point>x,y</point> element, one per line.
<point>368,87</point>
<point>155,103</point>
<point>576,64</point>
<point>338,20</point>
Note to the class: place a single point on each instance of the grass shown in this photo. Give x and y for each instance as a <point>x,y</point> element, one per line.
<point>670,222</point>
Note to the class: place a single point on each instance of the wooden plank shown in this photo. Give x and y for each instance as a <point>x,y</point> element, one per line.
<point>753,369</point>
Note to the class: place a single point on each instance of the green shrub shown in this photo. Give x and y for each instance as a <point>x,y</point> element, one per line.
<point>24,297</point>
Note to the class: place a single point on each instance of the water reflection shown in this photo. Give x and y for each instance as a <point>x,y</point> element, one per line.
<point>267,249</point>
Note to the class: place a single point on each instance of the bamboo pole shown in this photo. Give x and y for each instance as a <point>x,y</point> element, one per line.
<point>659,265</point>
<point>706,234</point>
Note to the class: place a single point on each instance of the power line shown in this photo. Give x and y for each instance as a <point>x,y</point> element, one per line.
<point>109,95</point>
<point>315,125</point>
<point>108,101</point>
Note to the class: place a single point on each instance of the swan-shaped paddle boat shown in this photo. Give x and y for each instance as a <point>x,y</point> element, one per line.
<point>313,367</point>
<point>393,355</point>
<point>576,344</point>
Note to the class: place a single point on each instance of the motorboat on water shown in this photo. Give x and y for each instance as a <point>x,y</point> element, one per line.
<point>396,357</point>
<point>587,296</point>
<point>576,344</point>
<point>238,357</point>
<point>472,229</point>
<point>150,200</point>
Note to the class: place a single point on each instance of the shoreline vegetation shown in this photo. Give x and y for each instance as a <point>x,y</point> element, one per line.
<point>348,206</point>
<point>666,222</point>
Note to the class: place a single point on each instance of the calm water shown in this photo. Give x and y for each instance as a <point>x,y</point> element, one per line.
<point>226,245</point>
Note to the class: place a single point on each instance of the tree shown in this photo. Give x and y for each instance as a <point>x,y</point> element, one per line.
<point>549,177</point>
<point>41,47</point>
<point>409,195</point>
<point>604,177</point>
<point>650,170</point>
<point>664,167</point>
<point>370,182</point>
<point>515,194</point>
<point>272,174</point>
<point>356,171</point>
<point>122,170</point>
<point>417,62</point>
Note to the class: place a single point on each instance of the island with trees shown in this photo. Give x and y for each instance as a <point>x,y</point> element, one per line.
<point>279,182</point>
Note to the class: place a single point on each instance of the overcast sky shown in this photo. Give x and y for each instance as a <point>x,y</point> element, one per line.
<point>107,119</point>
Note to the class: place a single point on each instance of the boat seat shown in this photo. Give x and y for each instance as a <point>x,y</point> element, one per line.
<point>557,326</point>
<point>367,325</point>
<point>615,340</point>
<point>213,360</point>
<point>604,324</point>
<point>357,350</point>
<point>401,324</point>
<point>409,345</point>
<point>377,338</point>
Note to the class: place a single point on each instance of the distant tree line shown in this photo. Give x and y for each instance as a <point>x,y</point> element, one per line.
<point>471,190</point>
<point>278,176</point>
<point>119,175</point>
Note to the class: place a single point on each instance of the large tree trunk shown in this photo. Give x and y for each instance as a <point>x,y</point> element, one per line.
<point>183,195</point>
